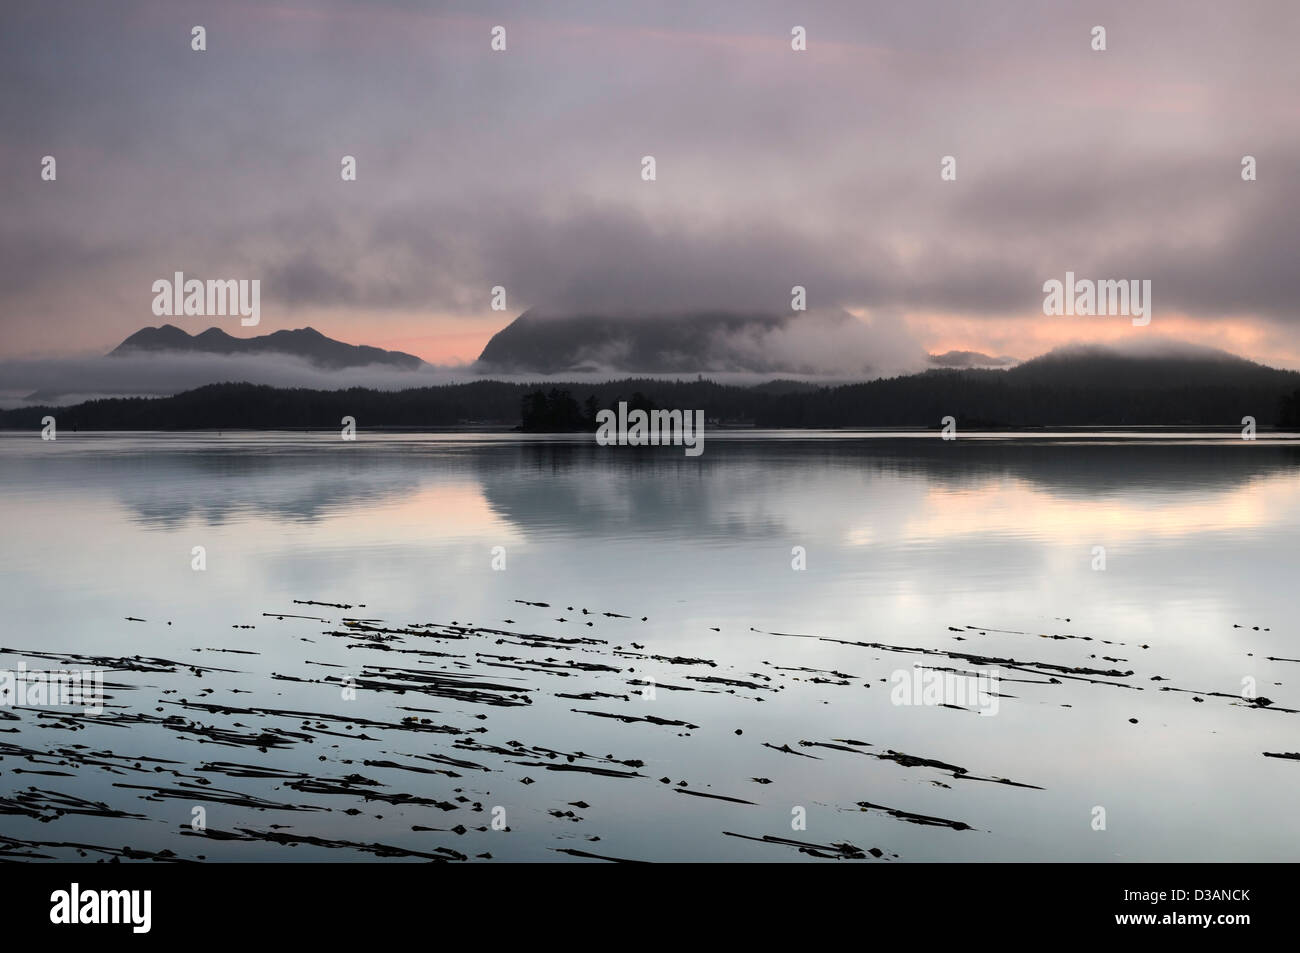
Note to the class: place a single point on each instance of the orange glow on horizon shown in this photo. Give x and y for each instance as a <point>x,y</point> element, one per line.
<point>1027,336</point>
<point>452,340</point>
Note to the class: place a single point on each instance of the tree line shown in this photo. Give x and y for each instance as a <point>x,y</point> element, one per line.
<point>991,399</point>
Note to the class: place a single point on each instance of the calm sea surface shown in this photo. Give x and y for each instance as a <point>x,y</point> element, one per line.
<point>468,704</point>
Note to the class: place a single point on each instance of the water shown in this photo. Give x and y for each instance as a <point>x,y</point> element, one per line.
<point>982,546</point>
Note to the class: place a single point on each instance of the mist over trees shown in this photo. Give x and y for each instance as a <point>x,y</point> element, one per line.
<point>1083,392</point>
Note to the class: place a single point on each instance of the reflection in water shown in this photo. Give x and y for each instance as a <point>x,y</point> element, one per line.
<point>746,487</point>
<point>978,548</point>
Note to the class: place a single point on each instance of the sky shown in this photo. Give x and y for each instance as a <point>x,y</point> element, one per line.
<point>522,168</point>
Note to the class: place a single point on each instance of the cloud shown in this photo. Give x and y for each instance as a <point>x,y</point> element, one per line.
<point>68,380</point>
<point>817,346</point>
<point>521,169</point>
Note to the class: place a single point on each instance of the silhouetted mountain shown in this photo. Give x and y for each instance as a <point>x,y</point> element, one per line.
<point>307,343</point>
<point>1160,364</point>
<point>1068,387</point>
<point>959,359</point>
<point>830,344</point>
<point>651,344</point>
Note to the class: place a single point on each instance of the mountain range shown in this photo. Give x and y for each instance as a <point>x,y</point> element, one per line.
<point>1080,386</point>
<point>1146,381</point>
<point>306,343</point>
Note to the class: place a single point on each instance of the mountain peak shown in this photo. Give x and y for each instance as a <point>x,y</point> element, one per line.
<point>211,334</point>
<point>1146,348</point>
<point>821,343</point>
<point>1143,363</point>
<point>155,339</point>
<point>965,359</point>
